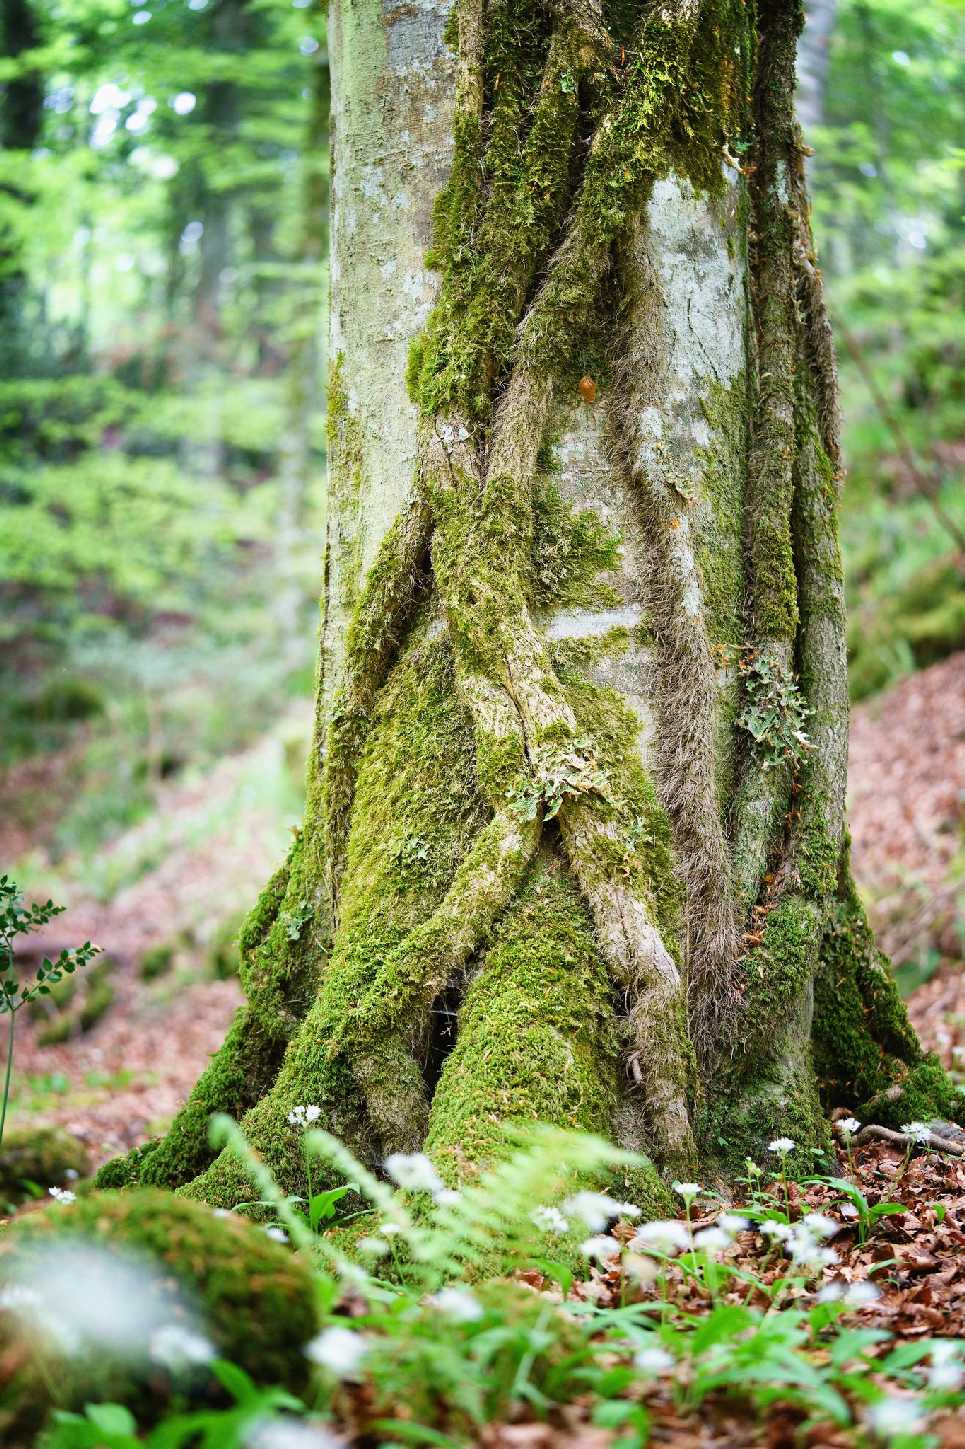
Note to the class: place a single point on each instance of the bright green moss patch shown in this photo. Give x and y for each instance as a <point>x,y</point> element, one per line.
<point>867,1054</point>
<point>536,1039</point>
<point>570,549</point>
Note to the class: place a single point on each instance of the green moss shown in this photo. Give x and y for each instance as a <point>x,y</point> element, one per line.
<point>47,1156</point>
<point>99,996</point>
<point>867,1054</point>
<point>416,808</point>
<point>781,1103</point>
<point>536,1037</point>
<point>640,849</point>
<point>156,961</point>
<point>256,1299</point>
<point>570,549</point>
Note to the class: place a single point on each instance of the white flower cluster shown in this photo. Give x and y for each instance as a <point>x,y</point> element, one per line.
<point>62,1194</point>
<point>596,1209</point>
<point>458,1304</point>
<point>654,1361</point>
<point>856,1295</point>
<point>847,1126</point>
<point>917,1131</point>
<point>687,1190</point>
<point>276,1431</point>
<point>304,1116</point>
<point>802,1241</point>
<point>340,1350</point>
<point>549,1220</point>
<point>782,1145</point>
<point>414,1172</point>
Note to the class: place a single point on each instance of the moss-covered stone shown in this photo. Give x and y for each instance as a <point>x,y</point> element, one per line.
<point>45,1156</point>
<point>255,1300</point>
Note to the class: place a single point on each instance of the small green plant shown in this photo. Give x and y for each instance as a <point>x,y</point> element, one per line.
<point>16,919</point>
<point>113,1426</point>
<point>868,1214</point>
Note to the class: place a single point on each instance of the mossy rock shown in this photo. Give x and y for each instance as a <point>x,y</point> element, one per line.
<point>255,1300</point>
<point>47,1156</point>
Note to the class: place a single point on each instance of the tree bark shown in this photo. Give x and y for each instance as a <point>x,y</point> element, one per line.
<point>578,777</point>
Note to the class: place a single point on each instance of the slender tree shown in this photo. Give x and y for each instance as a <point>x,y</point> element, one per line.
<point>574,845</point>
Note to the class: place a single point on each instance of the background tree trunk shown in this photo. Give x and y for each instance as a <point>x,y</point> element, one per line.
<point>574,842</point>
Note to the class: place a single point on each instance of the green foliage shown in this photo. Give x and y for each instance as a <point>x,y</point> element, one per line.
<point>16,919</point>
<point>432,1350</point>
<point>887,187</point>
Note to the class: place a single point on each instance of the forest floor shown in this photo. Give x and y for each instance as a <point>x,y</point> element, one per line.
<point>123,1080</point>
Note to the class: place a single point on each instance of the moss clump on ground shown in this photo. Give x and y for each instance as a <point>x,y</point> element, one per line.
<point>47,1156</point>
<point>254,1300</point>
<point>156,961</point>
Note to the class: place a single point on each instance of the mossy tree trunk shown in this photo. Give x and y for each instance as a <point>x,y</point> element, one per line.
<point>574,846</point>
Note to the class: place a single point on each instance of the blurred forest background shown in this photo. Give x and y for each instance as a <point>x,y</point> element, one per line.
<point>163,190</point>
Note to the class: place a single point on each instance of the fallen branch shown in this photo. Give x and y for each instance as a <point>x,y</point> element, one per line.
<point>934,1141</point>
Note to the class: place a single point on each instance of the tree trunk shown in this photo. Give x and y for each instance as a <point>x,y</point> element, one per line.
<point>574,844</point>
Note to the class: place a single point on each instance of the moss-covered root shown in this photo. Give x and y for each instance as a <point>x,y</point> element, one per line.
<point>537,1038</point>
<point>868,1056</point>
<point>254,1300</point>
<point>47,1156</point>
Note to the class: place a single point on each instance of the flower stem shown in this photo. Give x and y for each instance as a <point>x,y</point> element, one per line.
<point>8,1074</point>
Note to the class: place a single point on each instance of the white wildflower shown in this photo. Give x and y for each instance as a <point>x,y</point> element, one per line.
<point>712,1240</point>
<point>549,1220</point>
<point>664,1236</point>
<point>861,1294</point>
<point>596,1209</point>
<point>654,1361</point>
<point>892,1416</point>
<point>304,1116</point>
<point>686,1190</point>
<point>821,1225</point>
<point>176,1347</point>
<point>413,1172</point>
<point>641,1269</point>
<point>782,1146</point>
<point>389,1230</point>
<point>947,1371</point>
<point>275,1431</point>
<point>848,1126</point>
<point>277,1235</point>
<point>807,1251</point>
<point>62,1194</point>
<point>373,1247</point>
<point>446,1196</point>
<point>831,1293</point>
<point>732,1223</point>
<point>340,1350</point>
<point>918,1131</point>
<point>459,1304</point>
<point>601,1247</point>
<point>771,1228</point>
